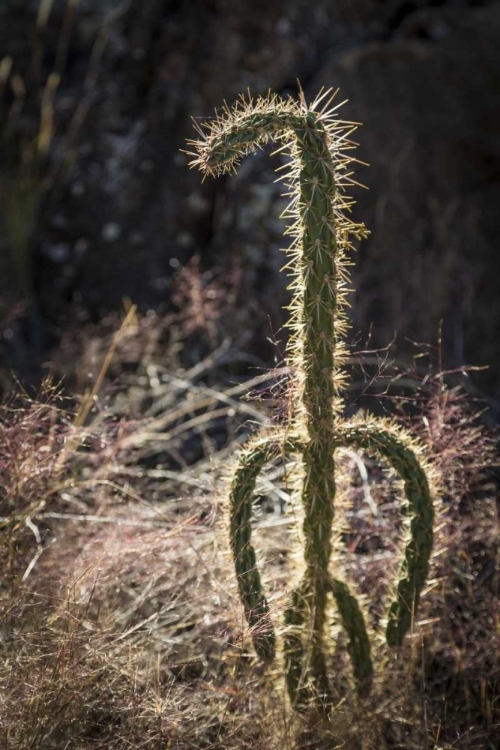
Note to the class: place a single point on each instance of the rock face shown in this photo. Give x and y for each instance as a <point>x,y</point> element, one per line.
<point>424,81</point>
<point>429,102</point>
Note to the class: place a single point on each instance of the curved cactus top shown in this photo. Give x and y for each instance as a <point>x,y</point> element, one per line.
<point>319,146</point>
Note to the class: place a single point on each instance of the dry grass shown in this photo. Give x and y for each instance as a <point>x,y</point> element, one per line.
<point>120,624</point>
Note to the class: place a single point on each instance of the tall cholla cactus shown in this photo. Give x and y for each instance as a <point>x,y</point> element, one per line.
<point>317,144</point>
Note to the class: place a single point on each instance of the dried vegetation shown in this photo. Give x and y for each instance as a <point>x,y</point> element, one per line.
<point>120,624</point>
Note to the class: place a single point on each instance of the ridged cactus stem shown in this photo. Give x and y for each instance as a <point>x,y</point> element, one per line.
<point>316,143</point>
<point>319,307</point>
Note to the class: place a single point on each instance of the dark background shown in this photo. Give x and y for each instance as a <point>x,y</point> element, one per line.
<point>97,204</point>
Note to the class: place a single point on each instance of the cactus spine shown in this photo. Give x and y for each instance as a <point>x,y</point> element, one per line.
<point>317,144</point>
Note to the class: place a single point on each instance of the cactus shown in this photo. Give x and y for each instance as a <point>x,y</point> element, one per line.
<point>318,146</point>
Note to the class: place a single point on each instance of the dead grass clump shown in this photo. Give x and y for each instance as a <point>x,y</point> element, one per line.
<point>120,623</point>
<point>33,436</point>
<point>117,623</point>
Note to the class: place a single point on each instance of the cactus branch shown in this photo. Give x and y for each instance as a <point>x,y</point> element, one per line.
<point>398,449</point>
<point>296,616</point>
<point>354,625</point>
<point>251,462</point>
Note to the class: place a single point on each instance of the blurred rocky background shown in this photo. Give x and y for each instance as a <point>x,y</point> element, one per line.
<point>98,206</point>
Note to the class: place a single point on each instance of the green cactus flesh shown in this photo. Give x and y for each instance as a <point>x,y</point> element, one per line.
<point>353,623</point>
<point>317,144</point>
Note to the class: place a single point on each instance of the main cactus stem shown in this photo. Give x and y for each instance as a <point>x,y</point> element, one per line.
<point>316,143</point>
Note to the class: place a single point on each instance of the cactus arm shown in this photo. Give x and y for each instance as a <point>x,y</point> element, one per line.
<point>392,445</point>
<point>353,622</point>
<point>295,655</point>
<point>296,666</point>
<point>251,462</point>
